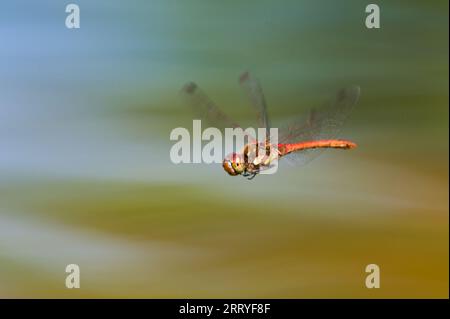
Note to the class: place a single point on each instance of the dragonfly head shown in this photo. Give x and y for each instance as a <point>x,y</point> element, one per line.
<point>233,164</point>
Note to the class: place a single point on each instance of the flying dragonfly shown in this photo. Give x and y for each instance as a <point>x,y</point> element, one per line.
<point>299,142</point>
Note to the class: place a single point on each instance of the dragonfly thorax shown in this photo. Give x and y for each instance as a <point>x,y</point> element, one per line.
<point>249,163</point>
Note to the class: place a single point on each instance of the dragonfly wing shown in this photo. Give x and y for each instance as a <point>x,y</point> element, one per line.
<point>320,123</point>
<point>206,110</point>
<point>254,93</point>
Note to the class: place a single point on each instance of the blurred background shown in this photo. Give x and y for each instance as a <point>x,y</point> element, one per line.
<point>86,178</point>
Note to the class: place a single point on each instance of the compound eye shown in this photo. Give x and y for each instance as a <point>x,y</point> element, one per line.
<point>228,166</point>
<point>237,167</point>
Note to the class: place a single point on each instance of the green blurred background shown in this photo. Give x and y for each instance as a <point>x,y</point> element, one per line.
<point>86,178</point>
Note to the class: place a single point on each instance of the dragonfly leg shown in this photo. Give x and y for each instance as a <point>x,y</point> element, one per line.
<point>252,177</point>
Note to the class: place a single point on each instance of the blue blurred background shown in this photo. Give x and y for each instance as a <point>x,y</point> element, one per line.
<point>86,178</point>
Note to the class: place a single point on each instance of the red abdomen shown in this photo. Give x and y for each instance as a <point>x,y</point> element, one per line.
<point>285,149</point>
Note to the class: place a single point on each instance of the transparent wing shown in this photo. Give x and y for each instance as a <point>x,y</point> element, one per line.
<point>204,108</point>
<point>320,123</point>
<point>253,91</point>
<point>210,114</point>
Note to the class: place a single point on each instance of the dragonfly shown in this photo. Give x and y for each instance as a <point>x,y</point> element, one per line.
<point>300,141</point>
